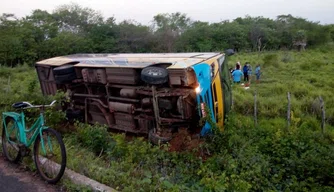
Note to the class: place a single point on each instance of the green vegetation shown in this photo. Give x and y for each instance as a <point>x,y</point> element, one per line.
<point>245,157</point>
<point>73,29</point>
<point>268,157</point>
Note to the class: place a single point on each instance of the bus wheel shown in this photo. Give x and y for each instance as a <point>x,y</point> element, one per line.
<point>154,75</point>
<point>156,139</point>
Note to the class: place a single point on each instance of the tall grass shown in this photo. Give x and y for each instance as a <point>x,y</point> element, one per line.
<point>306,75</point>
<point>245,157</point>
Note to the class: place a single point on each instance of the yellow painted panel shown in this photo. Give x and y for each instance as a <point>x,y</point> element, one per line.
<point>218,99</point>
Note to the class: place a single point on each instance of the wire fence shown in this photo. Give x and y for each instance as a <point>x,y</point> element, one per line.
<point>288,112</point>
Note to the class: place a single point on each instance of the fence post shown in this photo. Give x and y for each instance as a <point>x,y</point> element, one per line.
<point>288,115</point>
<point>255,110</point>
<point>323,117</point>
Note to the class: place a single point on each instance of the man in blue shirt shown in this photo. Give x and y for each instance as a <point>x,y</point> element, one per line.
<point>237,74</point>
<point>245,70</point>
<point>258,73</point>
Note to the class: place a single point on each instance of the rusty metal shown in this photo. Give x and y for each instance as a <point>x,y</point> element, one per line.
<point>165,103</point>
<point>86,110</point>
<point>101,76</point>
<point>146,102</point>
<point>184,77</point>
<point>86,95</point>
<point>175,116</point>
<point>127,86</point>
<point>87,75</point>
<point>94,75</point>
<point>127,129</point>
<point>121,107</point>
<point>129,93</point>
<point>96,102</point>
<point>144,116</point>
<point>144,125</point>
<point>123,119</point>
<point>122,76</point>
<point>174,92</point>
<point>172,120</point>
<point>100,102</point>
<point>143,110</point>
<point>144,92</point>
<point>156,109</point>
<point>166,92</point>
<point>46,79</point>
<point>185,107</point>
<point>124,99</point>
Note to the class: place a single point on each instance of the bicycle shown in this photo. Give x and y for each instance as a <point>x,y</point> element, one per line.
<point>49,149</point>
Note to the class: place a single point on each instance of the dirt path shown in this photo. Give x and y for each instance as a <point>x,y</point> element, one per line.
<point>13,178</point>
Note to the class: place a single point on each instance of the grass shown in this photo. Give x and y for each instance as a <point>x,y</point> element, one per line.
<point>245,157</point>
<point>306,75</point>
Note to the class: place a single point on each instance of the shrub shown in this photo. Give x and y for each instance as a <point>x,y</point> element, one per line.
<point>94,137</point>
<point>287,57</point>
<point>271,60</point>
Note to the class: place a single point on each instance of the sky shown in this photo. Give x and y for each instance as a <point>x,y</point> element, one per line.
<point>204,10</point>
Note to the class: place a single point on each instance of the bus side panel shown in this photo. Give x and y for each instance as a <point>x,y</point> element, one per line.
<point>46,79</point>
<point>218,100</point>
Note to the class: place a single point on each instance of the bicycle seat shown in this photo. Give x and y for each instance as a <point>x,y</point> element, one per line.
<point>19,105</point>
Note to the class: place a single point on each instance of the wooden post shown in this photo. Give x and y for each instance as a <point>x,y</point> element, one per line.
<point>255,110</point>
<point>323,117</point>
<point>288,115</point>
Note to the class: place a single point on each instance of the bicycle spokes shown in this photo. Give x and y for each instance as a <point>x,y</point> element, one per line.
<point>49,155</point>
<point>10,140</point>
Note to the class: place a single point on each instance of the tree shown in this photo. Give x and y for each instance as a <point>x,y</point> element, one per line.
<point>198,38</point>
<point>76,19</point>
<point>11,46</point>
<point>133,37</point>
<point>168,28</point>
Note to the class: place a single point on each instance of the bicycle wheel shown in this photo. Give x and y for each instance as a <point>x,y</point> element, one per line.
<point>10,145</point>
<point>51,162</point>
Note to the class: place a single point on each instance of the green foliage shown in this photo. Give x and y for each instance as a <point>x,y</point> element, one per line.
<point>271,60</point>
<point>71,28</point>
<point>94,137</point>
<point>245,157</point>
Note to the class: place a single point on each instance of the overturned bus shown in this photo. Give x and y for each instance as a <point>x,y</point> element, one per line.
<point>152,94</point>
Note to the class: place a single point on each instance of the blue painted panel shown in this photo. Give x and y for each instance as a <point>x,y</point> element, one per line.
<point>203,74</point>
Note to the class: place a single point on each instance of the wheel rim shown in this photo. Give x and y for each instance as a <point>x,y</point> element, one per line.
<point>155,72</point>
<point>49,163</point>
<point>10,146</point>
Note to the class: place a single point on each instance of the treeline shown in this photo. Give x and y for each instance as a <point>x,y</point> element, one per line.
<point>74,29</point>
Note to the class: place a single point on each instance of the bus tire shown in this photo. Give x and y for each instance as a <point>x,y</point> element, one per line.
<point>61,79</point>
<point>156,139</point>
<point>64,70</point>
<point>154,75</point>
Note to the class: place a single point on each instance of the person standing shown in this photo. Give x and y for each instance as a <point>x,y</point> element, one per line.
<point>250,71</point>
<point>245,70</point>
<point>238,65</point>
<point>237,74</point>
<point>258,73</point>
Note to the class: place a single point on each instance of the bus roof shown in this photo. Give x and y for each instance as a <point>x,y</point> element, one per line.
<point>131,60</point>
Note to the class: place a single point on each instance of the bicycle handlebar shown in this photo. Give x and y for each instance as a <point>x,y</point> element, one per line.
<point>38,106</point>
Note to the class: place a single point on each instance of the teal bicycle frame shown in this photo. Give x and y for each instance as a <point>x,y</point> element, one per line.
<point>19,119</point>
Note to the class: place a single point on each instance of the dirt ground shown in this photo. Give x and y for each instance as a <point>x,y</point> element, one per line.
<point>15,178</point>
<point>183,141</point>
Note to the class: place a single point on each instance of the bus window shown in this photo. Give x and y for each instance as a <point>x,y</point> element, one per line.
<point>214,91</point>
<point>215,102</point>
